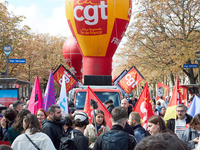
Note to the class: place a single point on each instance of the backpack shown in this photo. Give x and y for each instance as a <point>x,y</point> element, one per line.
<point>67,143</point>
<point>115,140</point>
<point>146,133</point>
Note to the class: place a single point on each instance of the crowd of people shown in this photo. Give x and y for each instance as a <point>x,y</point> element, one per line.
<point>52,131</point>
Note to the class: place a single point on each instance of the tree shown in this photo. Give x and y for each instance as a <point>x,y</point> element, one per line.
<point>164,35</point>
<point>10,33</point>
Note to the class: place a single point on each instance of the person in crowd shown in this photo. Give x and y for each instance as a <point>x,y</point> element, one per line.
<point>133,101</point>
<point>41,115</point>
<point>155,111</point>
<point>71,107</point>
<point>162,102</point>
<point>157,125</point>
<point>22,100</point>
<point>161,141</point>
<point>116,137</point>
<point>191,134</point>
<point>32,132</point>
<point>2,107</point>
<point>6,122</point>
<point>163,111</point>
<point>158,106</point>
<point>109,105</point>
<point>182,119</point>
<point>68,127</point>
<point>5,147</point>
<point>53,126</point>
<point>80,122</point>
<point>17,127</point>
<point>17,106</point>
<point>127,128</point>
<point>167,99</point>
<point>134,122</point>
<point>10,106</point>
<point>90,131</point>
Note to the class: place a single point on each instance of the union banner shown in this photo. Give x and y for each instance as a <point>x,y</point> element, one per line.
<point>70,79</point>
<point>130,80</point>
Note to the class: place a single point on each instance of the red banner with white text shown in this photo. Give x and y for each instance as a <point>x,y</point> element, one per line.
<point>130,80</point>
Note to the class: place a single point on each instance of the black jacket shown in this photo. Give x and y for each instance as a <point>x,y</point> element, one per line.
<point>54,129</point>
<point>110,108</point>
<point>131,139</point>
<point>80,140</point>
<point>171,122</point>
<point>128,129</point>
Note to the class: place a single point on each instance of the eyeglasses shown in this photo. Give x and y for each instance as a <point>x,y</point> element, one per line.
<point>180,110</point>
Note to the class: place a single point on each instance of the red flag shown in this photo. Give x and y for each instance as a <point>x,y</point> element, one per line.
<point>130,80</point>
<point>70,79</point>
<point>162,90</point>
<point>35,102</point>
<point>183,93</point>
<point>143,105</point>
<point>88,109</point>
<point>174,101</point>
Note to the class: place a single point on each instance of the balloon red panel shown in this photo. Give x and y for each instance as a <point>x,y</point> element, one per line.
<point>73,57</point>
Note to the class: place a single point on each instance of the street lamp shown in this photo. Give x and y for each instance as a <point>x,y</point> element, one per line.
<point>198,59</point>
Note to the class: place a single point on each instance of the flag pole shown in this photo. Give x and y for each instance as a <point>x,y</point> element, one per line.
<point>94,105</point>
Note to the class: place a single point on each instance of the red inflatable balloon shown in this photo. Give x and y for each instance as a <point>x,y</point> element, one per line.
<point>98,26</point>
<point>73,57</point>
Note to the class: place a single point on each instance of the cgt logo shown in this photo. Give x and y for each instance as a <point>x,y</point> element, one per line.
<point>90,13</point>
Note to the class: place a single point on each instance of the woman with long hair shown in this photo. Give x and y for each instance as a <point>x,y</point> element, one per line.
<point>17,126</point>
<point>157,125</point>
<point>191,134</point>
<point>90,131</point>
<point>33,138</point>
<point>41,115</point>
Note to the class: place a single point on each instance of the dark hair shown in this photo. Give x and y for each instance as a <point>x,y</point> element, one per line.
<point>52,108</point>
<point>16,103</point>
<point>68,120</point>
<point>44,111</point>
<point>5,147</point>
<point>80,119</point>
<point>32,123</point>
<point>157,119</point>
<point>161,141</point>
<point>96,113</point>
<point>161,97</point>
<point>18,124</point>
<point>9,114</point>
<point>118,113</point>
<point>195,121</point>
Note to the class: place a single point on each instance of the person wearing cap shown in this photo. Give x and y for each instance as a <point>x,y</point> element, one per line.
<point>109,105</point>
<point>53,126</point>
<point>80,122</point>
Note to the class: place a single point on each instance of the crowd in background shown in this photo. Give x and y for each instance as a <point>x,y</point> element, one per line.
<point>50,130</point>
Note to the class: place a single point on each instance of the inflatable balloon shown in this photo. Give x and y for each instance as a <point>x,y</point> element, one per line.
<point>98,26</point>
<point>73,57</point>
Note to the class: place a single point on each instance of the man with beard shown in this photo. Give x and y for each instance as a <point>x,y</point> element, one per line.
<point>53,126</point>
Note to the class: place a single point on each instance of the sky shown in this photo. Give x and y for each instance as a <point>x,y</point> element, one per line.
<point>42,16</point>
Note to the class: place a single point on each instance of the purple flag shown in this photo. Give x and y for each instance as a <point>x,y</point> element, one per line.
<point>49,96</point>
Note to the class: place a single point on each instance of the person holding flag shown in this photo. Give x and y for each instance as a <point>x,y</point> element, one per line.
<point>90,131</point>
<point>175,115</point>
